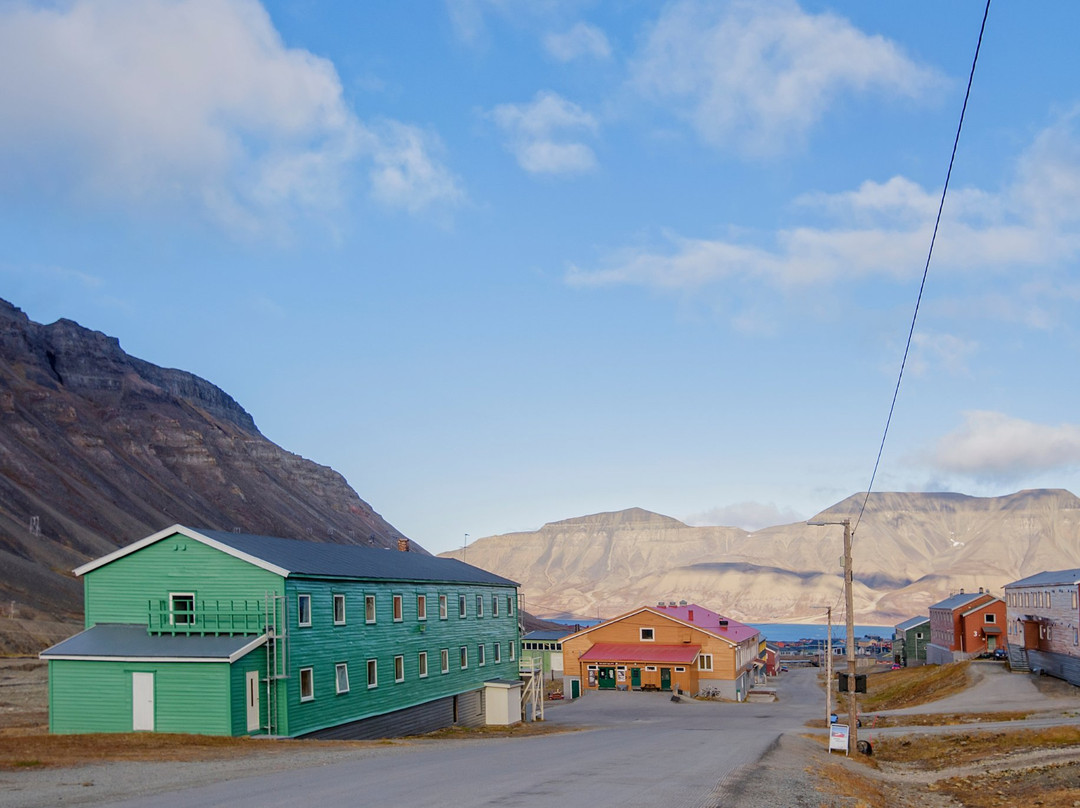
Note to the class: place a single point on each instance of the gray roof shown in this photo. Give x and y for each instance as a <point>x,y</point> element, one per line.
<point>911,623</point>
<point>958,601</point>
<point>1055,578</point>
<point>290,557</point>
<point>127,641</point>
<point>354,561</point>
<point>545,635</point>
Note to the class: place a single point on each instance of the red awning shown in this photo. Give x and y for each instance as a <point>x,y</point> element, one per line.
<point>644,652</point>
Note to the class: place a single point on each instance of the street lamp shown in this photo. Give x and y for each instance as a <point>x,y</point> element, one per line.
<point>853,721</point>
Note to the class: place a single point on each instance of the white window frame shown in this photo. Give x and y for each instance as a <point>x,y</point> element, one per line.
<point>341,677</point>
<point>442,607</point>
<point>399,668</point>
<point>990,617</point>
<point>513,651</point>
<point>339,599</point>
<point>651,634</point>
<point>398,612</point>
<point>680,670</point>
<point>463,657</point>
<point>444,660</point>
<point>307,676</point>
<point>705,662</point>
<point>509,605</point>
<point>302,598</point>
<point>462,606</point>
<point>649,668</point>
<point>479,605</point>
<point>421,665</point>
<point>371,616</point>
<point>421,607</point>
<point>481,655</point>
<point>188,615</point>
<point>494,605</point>
<point>497,653</point>
<point>372,673</point>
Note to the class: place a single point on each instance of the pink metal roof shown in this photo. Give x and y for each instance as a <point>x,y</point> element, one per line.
<point>641,652</point>
<point>709,621</point>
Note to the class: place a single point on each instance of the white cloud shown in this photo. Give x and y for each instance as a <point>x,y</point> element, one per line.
<point>759,76</point>
<point>581,40</point>
<point>991,445</point>
<point>538,134</point>
<point>747,515</point>
<point>194,101</point>
<point>884,229</point>
<point>945,350</point>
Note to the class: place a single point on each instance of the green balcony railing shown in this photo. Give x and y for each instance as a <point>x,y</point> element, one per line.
<point>190,616</point>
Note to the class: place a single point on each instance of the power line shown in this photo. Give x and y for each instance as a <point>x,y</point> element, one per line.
<point>926,270</point>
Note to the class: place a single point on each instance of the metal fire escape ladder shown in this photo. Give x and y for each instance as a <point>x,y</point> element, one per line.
<point>277,655</point>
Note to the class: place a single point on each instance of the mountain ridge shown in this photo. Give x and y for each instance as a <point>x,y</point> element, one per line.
<point>99,448</point>
<point>909,550</point>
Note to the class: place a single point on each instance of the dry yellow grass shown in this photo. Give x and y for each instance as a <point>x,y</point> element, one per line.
<point>936,752</point>
<point>911,687</point>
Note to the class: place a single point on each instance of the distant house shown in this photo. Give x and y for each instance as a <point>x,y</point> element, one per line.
<point>910,641</point>
<point>217,633</point>
<point>772,661</point>
<point>1044,624</point>
<point>660,648</point>
<point>542,650</point>
<point>965,625</point>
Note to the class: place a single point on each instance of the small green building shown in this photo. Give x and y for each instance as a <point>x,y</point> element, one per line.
<point>542,650</point>
<point>910,640</point>
<point>219,633</point>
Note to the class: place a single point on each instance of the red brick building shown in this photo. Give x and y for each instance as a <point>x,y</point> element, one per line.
<point>965,625</point>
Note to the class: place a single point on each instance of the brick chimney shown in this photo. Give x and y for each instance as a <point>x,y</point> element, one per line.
<point>403,545</point>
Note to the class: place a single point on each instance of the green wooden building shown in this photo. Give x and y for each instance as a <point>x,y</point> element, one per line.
<point>228,634</point>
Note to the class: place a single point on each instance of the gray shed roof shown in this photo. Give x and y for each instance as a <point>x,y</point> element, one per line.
<point>541,634</point>
<point>122,641</point>
<point>291,557</point>
<point>911,623</point>
<point>1055,578</point>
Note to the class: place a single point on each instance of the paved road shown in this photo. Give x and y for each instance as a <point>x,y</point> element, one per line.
<point>639,749</point>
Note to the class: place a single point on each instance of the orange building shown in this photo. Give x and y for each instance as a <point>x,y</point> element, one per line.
<point>660,648</point>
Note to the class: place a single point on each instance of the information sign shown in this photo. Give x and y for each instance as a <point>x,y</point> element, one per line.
<point>838,737</point>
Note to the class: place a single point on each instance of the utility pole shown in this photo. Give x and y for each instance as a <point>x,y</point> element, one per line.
<point>828,674</point>
<point>853,714</point>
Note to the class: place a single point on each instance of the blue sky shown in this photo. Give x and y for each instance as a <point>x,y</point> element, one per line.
<point>501,263</point>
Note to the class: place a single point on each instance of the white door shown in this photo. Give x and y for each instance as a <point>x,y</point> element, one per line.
<point>142,701</point>
<point>253,722</point>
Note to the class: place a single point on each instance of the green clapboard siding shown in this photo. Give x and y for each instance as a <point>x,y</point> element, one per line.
<point>120,591</point>
<point>323,645</point>
<point>95,696</point>
<point>254,661</point>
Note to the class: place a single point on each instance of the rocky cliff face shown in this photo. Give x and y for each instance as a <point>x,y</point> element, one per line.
<point>98,449</point>
<point>910,550</point>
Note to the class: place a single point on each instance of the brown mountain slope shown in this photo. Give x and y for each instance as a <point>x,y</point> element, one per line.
<point>910,550</point>
<point>102,449</point>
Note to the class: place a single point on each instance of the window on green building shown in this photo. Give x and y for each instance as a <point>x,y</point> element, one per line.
<point>181,608</point>
<point>498,653</point>
<point>442,607</point>
<point>481,655</point>
<point>444,660</point>
<point>303,610</point>
<point>464,657</point>
<point>421,607</point>
<point>398,615</point>
<point>372,673</point>
<point>509,605</point>
<point>369,608</point>
<point>307,684</point>
<point>461,602</point>
<point>341,673</point>
<point>479,605</point>
<point>421,665</point>
<point>399,669</point>
<point>339,610</point>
